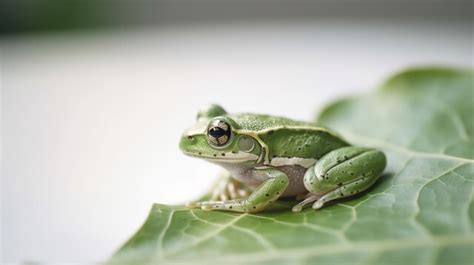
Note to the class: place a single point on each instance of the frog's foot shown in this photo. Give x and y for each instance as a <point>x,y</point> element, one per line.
<point>345,190</point>
<point>229,205</point>
<point>237,205</point>
<point>192,204</point>
<point>204,205</point>
<point>308,198</point>
<point>221,193</point>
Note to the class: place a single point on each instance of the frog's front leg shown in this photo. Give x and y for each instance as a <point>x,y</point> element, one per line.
<point>262,197</point>
<point>341,173</point>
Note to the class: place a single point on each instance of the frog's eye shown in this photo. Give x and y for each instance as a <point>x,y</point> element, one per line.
<point>219,133</point>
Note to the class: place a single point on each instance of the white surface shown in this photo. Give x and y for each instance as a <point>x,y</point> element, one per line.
<point>91,123</point>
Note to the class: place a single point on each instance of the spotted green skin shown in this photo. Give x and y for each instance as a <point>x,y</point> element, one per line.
<point>275,157</point>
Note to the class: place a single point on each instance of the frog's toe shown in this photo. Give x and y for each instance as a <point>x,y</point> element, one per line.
<point>191,204</point>
<point>297,208</point>
<point>318,204</point>
<point>206,207</point>
<point>309,199</point>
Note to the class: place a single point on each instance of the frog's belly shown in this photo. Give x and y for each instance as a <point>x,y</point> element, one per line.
<point>295,176</point>
<point>250,178</point>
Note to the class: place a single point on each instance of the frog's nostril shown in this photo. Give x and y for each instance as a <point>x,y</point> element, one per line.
<point>190,137</point>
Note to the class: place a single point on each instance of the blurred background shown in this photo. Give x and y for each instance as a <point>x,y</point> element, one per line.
<point>95,95</point>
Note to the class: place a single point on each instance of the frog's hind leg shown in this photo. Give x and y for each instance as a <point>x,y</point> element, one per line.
<point>345,190</point>
<point>343,172</point>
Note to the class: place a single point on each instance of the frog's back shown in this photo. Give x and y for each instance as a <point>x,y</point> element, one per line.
<point>288,139</point>
<point>261,122</point>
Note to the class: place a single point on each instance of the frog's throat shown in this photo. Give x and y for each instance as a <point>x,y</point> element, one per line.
<point>227,157</point>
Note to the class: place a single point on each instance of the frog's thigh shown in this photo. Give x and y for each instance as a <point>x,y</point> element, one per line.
<point>344,172</point>
<point>263,196</point>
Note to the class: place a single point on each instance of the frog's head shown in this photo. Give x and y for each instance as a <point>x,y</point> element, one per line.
<point>217,138</point>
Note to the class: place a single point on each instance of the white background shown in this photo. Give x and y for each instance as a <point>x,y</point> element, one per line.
<point>91,122</point>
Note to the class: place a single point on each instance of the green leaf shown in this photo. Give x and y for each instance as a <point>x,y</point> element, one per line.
<point>421,211</point>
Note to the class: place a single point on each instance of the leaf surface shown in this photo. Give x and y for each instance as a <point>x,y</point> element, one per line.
<point>421,211</point>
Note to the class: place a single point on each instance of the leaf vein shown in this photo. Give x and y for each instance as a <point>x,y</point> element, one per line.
<point>417,198</point>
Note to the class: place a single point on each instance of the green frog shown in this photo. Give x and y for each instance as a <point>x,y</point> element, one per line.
<point>267,157</point>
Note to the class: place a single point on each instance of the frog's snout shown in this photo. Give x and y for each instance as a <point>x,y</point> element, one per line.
<point>187,141</point>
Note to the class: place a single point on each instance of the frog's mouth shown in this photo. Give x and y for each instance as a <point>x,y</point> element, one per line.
<point>230,157</point>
